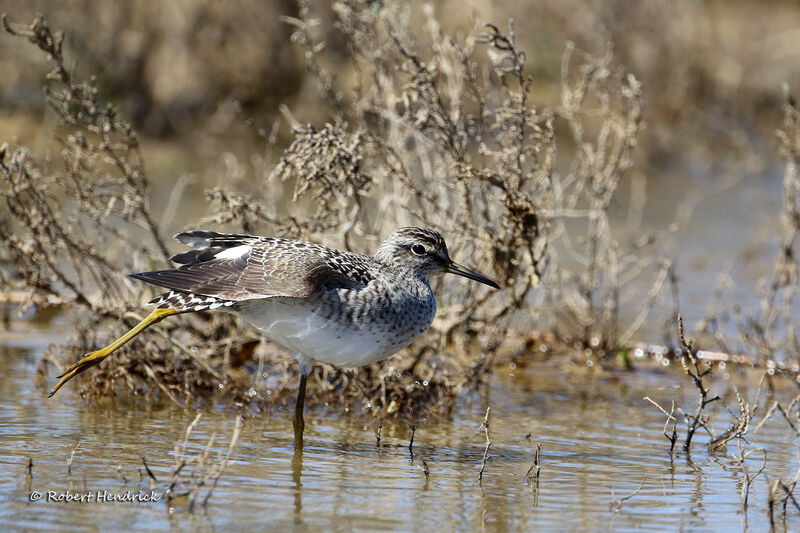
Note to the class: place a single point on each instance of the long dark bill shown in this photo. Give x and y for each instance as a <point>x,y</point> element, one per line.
<point>455,268</point>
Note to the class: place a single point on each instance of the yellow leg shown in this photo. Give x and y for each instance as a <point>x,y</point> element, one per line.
<point>93,358</point>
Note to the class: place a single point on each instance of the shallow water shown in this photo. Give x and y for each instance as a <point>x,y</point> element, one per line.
<point>600,441</point>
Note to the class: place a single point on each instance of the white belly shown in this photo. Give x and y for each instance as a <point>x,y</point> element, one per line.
<point>301,330</point>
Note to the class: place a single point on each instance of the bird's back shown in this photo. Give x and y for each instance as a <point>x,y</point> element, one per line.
<point>326,305</point>
<point>228,268</point>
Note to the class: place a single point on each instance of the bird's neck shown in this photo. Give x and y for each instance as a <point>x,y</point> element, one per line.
<point>406,275</point>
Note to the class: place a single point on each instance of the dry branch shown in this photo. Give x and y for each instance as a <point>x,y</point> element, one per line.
<point>485,427</point>
<point>691,365</point>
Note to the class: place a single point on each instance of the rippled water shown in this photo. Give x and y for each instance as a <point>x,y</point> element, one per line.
<point>600,441</point>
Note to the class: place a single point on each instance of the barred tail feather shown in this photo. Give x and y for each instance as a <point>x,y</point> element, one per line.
<point>184,301</point>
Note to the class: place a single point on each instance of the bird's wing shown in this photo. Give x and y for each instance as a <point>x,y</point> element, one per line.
<point>244,267</point>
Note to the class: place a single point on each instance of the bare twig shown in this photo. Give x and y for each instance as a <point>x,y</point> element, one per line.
<point>72,457</point>
<point>616,505</point>
<point>776,406</point>
<point>485,427</point>
<point>672,436</point>
<point>741,424</point>
<point>224,463</point>
<point>748,483</point>
<point>153,479</point>
<point>205,473</point>
<point>691,365</point>
<point>180,449</point>
<point>781,492</point>
<point>532,475</point>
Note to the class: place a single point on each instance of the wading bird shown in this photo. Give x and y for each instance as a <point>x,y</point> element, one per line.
<point>324,305</point>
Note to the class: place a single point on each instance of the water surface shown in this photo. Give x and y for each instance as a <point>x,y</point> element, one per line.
<point>600,442</point>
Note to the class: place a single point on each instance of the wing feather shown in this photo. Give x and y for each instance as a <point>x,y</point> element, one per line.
<point>264,268</point>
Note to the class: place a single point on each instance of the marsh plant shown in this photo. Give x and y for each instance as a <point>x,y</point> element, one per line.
<point>426,129</point>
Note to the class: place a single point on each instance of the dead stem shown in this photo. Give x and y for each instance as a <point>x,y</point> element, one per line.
<point>180,449</point>
<point>616,505</point>
<point>788,420</point>
<point>672,436</point>
<point>186,492</point>
<point>748,483</point>
<point>741,423</point>
<point>72,457</point>
<point>690,363</point>
<point>220,468</point>
<point>774,498</point>
<point>532,475</point>
<point>485,427</point>
<point>776,406</point>
<point>153,479</point>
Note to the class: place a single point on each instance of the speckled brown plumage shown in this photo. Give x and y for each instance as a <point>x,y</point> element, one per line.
<point>322,304</point>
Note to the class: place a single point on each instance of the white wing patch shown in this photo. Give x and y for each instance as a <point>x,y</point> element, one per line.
<point>233,253</point>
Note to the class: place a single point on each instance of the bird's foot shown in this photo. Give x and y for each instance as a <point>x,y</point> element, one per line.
<point>89,360</point>
<point>93,358</point>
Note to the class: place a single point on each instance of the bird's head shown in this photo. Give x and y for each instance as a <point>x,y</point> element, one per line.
<point>423,251</point>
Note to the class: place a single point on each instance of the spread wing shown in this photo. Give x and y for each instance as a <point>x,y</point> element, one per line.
<point>245,267</point>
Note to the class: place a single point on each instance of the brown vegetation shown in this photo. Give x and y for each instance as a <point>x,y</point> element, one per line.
<point>434,127</point>
<point>446,139</point>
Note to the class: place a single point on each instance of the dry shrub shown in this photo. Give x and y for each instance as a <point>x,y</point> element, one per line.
<point>197,475</point>
<point>771,333</point>
<point>71,236</point>
<point>768,334</point>
<point>431,130</point>
<point>441,132</point>
<point>448,138</point>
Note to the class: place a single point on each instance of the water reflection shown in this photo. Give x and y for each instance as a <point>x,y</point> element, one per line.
<point>297,473</point>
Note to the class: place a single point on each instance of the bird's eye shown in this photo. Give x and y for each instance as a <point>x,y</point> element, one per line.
<point>418,249</point>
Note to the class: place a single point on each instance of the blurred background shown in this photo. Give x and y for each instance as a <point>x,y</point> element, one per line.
<point>711,69</point>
